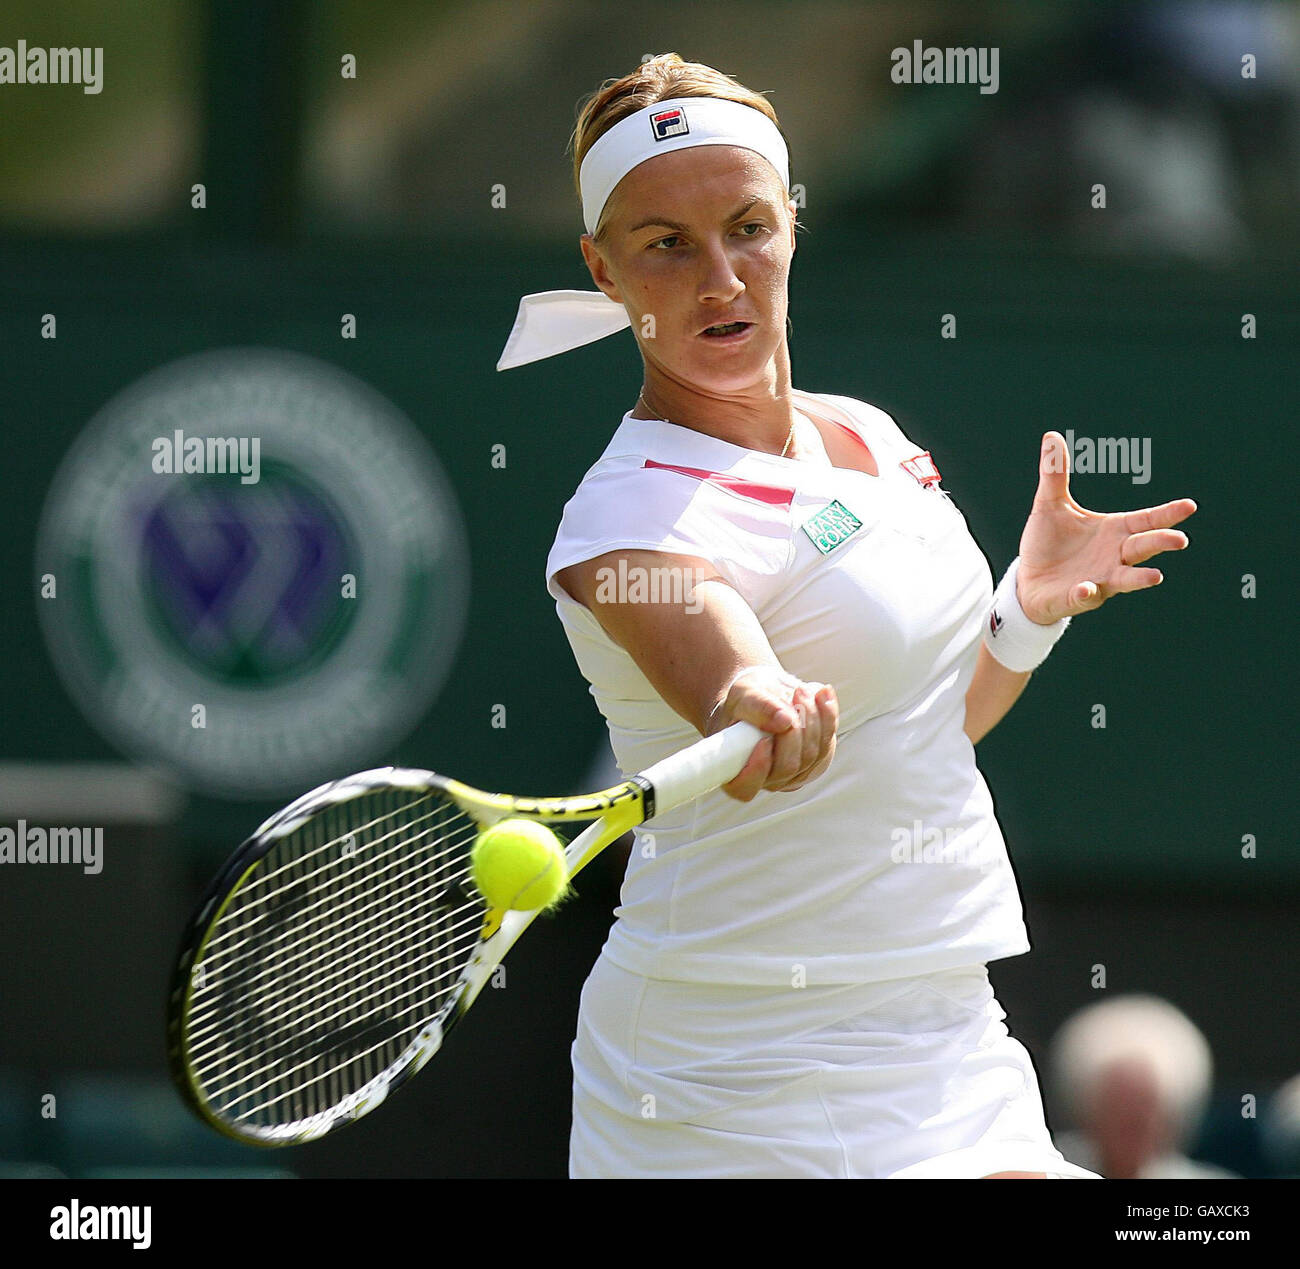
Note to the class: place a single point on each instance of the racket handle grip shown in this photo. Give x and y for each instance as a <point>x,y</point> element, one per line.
<point>704,766</point>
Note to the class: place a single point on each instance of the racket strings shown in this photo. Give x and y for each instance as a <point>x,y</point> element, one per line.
<point>285,1034</point>
<point>398,919</point>
<point>248,1091</point>
<point>321,974</point>
<point>399,835</point>
<point>385,996</point>
<point>310,942</point>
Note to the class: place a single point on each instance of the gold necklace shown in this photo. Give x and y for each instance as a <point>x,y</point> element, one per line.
<point>785,449</point>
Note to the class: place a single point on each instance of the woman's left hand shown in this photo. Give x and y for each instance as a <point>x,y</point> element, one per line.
<point>1072,560</point>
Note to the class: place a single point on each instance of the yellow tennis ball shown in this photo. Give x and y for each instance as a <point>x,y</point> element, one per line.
<point>519,864</point>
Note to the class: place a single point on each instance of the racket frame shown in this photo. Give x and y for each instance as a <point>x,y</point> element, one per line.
<point>668,784</point>
<point>615,810</point>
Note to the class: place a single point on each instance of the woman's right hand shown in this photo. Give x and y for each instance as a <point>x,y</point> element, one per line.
<point>688,652</point>
<point>801,717</point>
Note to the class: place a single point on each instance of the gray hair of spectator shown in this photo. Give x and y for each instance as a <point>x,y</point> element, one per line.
<point>1136,1028</point>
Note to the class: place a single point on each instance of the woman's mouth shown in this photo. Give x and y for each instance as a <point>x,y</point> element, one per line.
<point>726,332</point>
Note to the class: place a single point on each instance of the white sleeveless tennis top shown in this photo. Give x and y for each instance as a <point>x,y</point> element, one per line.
<point>891,863</point>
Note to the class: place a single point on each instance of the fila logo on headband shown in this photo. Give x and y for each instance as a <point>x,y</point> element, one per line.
<point>669,123</point>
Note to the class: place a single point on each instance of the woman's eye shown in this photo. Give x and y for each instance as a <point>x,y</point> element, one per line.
<point>675,238</point>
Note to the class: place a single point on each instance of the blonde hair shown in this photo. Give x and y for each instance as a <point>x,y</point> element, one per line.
<point>661,78</point>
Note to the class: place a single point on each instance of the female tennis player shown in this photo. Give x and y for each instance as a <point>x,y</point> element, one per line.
<point>795,984</point>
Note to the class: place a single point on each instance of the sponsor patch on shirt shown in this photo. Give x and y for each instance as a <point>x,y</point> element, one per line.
<point>831,527</point>
<point>922,469</point>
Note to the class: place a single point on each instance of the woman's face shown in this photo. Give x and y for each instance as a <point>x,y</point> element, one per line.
<point>692,238</point>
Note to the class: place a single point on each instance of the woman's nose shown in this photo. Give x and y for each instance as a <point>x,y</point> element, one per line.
<point>720,280</point>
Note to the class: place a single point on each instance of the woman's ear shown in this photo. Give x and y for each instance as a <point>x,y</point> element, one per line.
<point>596,266</point>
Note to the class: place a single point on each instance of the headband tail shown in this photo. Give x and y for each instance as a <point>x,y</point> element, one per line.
<point>552,322</point>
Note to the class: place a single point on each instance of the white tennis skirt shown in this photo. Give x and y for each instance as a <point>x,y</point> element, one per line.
<point>915,1077</point>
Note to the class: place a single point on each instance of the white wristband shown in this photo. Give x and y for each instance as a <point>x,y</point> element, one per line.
<point>1014,640</point>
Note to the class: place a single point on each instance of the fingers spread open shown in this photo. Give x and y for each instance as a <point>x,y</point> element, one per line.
<point>1165,516</point>
<point>1131,579</point>
<point>1139,547</point>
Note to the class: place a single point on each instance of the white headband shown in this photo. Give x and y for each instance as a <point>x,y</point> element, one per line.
<point>552,322</point>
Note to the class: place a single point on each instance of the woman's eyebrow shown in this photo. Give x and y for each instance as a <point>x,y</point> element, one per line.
<point>672,224</point>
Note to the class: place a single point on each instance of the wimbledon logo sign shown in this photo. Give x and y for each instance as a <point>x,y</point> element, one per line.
<point>252,636</point>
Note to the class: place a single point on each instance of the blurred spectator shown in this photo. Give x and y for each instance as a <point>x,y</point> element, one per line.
<point>1134,1074</point>
<point>1280,1131</point>
<point>1199,155</point>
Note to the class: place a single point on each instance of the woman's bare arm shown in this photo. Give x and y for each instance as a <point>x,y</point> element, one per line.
<point>693,653</point>
<point>992,692</point>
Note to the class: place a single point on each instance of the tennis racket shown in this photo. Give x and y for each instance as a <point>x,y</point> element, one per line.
<point>344,939</point>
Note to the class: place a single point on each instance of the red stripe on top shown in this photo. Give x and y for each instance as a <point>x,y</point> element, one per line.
<point>773,495</point>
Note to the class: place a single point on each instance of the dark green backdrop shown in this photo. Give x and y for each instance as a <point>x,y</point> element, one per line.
<point>1197,691</point>
<point>1127,840</point>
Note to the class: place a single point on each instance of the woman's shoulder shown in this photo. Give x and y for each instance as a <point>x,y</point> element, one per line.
<point>871,419</point>
<point>661,496</point>
<point>653,465</point>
